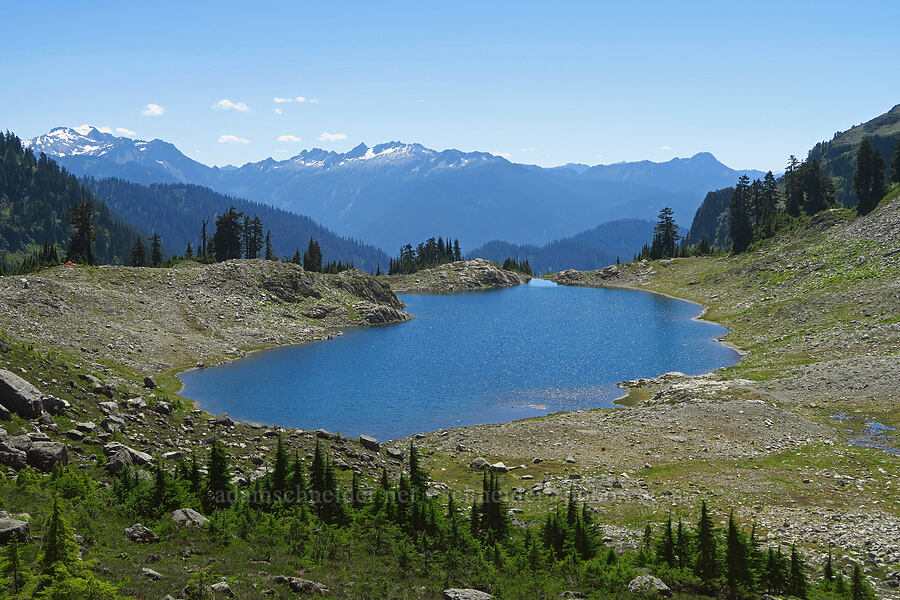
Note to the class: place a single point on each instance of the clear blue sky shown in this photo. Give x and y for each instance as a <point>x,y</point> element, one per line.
<point>545,83</point>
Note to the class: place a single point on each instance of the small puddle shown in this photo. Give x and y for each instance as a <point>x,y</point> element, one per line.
<point>873,434</point>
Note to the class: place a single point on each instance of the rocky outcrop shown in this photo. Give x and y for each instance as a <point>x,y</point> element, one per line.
<point>155,319</point>
<point>460,276</point>
<point>19,396</point>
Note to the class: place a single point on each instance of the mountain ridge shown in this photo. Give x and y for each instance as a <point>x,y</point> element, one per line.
<point>395,192</point>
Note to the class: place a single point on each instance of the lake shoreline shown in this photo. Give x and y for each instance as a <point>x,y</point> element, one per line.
<point>611,402</point>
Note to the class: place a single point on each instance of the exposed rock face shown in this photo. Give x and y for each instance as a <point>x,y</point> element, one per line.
<point>359,284</point>
<point>649,583</point>
<point>304,587</point>
<point>477,274</point>
<point>188,517</point>
<point>139,534</point>
<point>19,396</point>
<point>465,594</point>
<point>10,527</point>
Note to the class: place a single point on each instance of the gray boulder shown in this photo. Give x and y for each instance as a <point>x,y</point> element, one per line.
<point>465,594</point>
<point>304,587</point>
<point>113,423</point>
<point>5,415</point>
<point>480,463</point>
<point>151,574</point>
<point>188,517</point>
<point>324,435</point>
<point>149,382</point>
<point>43,456</point>
<point>19,396</point>
<point>10,527</point>
<point>395,453</point>
<point>164,408</point>
<point>54,405</point>
<point>119,461</point>
<point>140,534</point>
<point>369,443</point>
<point>137,457</point>
<point>649,583</point>
<point>222,589</point>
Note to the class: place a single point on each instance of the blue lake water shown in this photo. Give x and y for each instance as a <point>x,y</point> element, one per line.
<point>470,358</point>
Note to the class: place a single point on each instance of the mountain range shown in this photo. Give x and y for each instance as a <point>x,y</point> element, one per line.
<point>397,193</point>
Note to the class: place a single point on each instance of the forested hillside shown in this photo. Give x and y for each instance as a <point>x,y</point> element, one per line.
<point>177,212</point>
<point>592,249</point>
<point>838,156</point>
<point>36,196</point>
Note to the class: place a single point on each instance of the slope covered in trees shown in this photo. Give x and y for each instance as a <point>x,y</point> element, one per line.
<point>36,198</point>
<point>711,220</point>
<point>591,249</point>
<point>837,157</point>
<point>177,211</point>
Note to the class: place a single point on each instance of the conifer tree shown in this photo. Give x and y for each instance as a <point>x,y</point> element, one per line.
<point>682,546</point>
<point>868,180</point>
<point>156,256</point>
<point>218,483</point>
<point>799,583</point>
<point>279,470</point>
<point>298,480</point>
<point>895,166</point>
<point>828,569</point>
<point>740,226</point>
<point>81,248</point>
<point>227,239</point>
<point>59,544</point>
<point>317,474</point>
<point>665,236</point>
<point>189,251</point>
<point>860,588</point>
<point>138,256</point>
<point>737,568</point>
<point>665,551</point>
<point>312,258</point>
<point>355,492</point>
<point>270,254</point>
<point>793,202</point>
<point>706,567</point>
<point>12,568</point>
<point>417,475</point>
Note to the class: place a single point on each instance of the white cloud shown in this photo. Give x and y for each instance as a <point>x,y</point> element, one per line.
<point>312,100</point>
<point>153,110</point>
<point>104,129</point>
<point>125,132</point>
<point>282,100</point>
<point>226,104</point>
<point>332,137</point>
<point>300,99</point>
<point>665,148</point>
<point>529,149</point>
<point>505,155</point>
<point>232,139</point>
<point>278,111</point>
<point>293,139</point>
